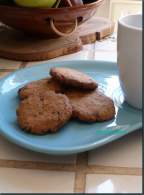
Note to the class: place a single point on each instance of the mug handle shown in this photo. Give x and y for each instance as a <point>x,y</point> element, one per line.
<point>58,32</point>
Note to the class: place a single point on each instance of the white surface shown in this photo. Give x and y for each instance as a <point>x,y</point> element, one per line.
<point>12,152</point>
<point>120,8</point>
<point>106,50</point>
<point>35,181</point>
<point>113,184</point>
<point>125,152</point>
<point>86,54</point>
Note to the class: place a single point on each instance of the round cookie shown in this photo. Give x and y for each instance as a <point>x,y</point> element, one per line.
<point>91,106</point>
<point>46,112</point>
<point>74,78</point>
<point>39,86</point>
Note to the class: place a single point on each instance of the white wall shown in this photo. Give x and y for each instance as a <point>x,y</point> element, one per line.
<point>113,9</point>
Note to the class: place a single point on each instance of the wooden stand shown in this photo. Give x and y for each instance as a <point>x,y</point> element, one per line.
<point>95,29</point>
<point>18,46</point>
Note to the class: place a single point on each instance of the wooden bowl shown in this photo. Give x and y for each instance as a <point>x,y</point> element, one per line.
<point>48,22</point>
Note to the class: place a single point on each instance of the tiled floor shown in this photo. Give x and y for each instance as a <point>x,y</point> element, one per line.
<point>113,184</point>
<point>106,50</point>
<point>12,152</point>
<point>35,181</point>
<point>97,178</point>
<point>125,152</point>
<point>85,54</point>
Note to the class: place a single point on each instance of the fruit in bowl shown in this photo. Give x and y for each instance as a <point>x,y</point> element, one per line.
<point>49,22</point>
<point>36,3</point>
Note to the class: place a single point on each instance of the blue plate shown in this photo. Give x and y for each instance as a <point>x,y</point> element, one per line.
<point>76,136</point>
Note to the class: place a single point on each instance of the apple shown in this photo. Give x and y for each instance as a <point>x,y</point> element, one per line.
<point>36,3</point>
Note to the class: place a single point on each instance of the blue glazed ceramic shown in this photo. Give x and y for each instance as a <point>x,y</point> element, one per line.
<point>76,136</point>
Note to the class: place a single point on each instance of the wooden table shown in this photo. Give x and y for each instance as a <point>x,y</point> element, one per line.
<point>116,167</point>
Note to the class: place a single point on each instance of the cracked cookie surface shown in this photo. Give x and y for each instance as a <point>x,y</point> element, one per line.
<point>73,78</point>
<point>39,86</point>
<point>46,112</point>
<point>91,106</point>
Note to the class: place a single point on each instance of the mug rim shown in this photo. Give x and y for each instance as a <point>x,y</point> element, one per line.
<point>121,22</point>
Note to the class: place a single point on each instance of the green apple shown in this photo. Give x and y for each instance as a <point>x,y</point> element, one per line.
<point>36,3</point>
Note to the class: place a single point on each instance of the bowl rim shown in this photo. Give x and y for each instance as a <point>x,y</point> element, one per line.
<point>84,6</point>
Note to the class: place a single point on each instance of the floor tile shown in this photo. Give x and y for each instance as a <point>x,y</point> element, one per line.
<point>35,181</point>
<point>10,151</point>
<point>9,64</point>
<point>113,184</point>
<point>105,56</point>
<point>125,152</point>
<point>106,49</point>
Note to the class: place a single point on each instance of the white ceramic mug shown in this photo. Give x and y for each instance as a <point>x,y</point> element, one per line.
<point>130,58</point>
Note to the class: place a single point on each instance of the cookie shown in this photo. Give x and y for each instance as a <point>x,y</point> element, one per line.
<point>73,78</point>
<point>46,112</point>
<point>91,106</point>
<point>39,86</point>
